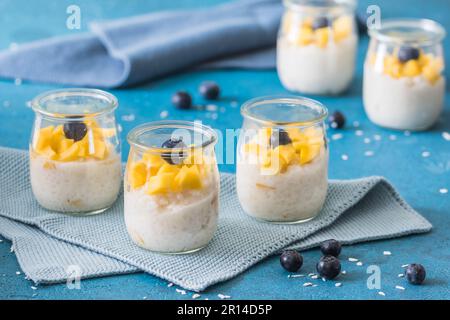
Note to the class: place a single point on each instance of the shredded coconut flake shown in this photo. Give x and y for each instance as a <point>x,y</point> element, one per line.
<point>344,157</point>
<point>308,284</point>
<point>376,137</point>
<point>18,272</point>
<point>353,259</point>
<point>359,263</point>
<point>33,287</point>
<point>369,153</point>
<point>223,296</point>
<point>381,293</point>
<point>446,136</point>
<point>356,124</point>
<point>195,296</point>
<point>164,114</point>
<point>367,140</point>
<point>405,265</point>
<point>338,284</point>
<point>337,136</point>
<point>343,272</point>
<point>387,253</point>
<point>182,292</point>
<point>399,287</point>
<point>359,132</point>
<point>170,285</point>
<point>401,275</point>
<point>443,190</point>
<point>426,154</point>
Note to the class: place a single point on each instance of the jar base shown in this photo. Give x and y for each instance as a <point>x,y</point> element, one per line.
<point>173,253</point>
<point>79,214</point>
<point>282,222</point>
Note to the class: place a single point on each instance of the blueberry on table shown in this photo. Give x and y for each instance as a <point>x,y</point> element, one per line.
<point>328,267</point>
<point>172,157</point>
<point>182,100</point>
<point>75,130</point>
<point>336,120</point>
<point>320,22</point>
<point>415,273</point>
<point>279,137</point>
<point>408,53</point>
<point>209,90</point>
<point>331,247</point>
<point>291,260</point>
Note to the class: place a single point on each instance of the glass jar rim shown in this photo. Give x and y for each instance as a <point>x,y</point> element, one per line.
<point>37,104</point>
<point>320,5</point>
<point>136,132</point>
<point>436,31</point>
<point>299,101</point>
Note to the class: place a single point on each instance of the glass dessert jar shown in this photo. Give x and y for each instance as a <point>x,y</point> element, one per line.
<point>282,159</point>
<point>75,164</point>
<point>172,186</point>
<point>316,46</point>
<point>404,86</point>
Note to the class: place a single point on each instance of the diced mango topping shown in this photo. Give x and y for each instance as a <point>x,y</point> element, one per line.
<point>137,175</point>
<point>305,146</point>
<point>162,177</point>
<point>303,34</point>
<point>52,143</point>
<point>426,65</point>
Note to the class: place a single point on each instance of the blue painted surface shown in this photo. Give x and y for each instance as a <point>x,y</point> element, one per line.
<point>417,178</point>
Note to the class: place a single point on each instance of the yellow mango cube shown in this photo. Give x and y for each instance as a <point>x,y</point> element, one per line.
<point>70,154</point>
<point>305,36</point>
<point>188,178</point>
<point>308,153</point>
<point>137,175</point>
<point>431,73</point>
<point>286,152</point>
<point>44,138</point>
<point>49,153</point>
<point>63,145</point>
<point>168,168</point>
<point>322,36</point>
<point>342,28</point>
<point>161,183</point>
<point>295,134</point>
<point>411,68</point>
<point>153,160</point>
<point>100,151</point>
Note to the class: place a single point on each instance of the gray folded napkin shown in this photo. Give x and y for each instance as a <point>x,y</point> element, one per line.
<point>132,50</point>
<point>47,243</point>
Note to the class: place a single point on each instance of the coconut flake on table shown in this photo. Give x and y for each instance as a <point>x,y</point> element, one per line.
<point>405,265</point>
<point>128,117</point>
<point>387,253</point>
<point>446,136</point>
<point>223,296</point>
<point>443,190</point>
<point>195,296</point>
<point>399,287</point>
<point>182,292</point>
<point>169,284</point>
<point>369,153</point>
<point>356,124</point>
<point>343,272</point>
<point>401,275</point>
<point>344,157</point>
<point>392,137</point>
<point>308,284</point>
<point>33,288</point>
<point>337,136</point>
<point>18,272</point>
<point>381,293</point>
<point>376,137</point>
<point>295,275</point>
<point>367,140</point>
<point>211,107</point>
<point>352,259</point>
<point>426,154</point>
<point>164,114</point>
<point>359,132</point>
<point>338,284</point>
<point>359,263</point>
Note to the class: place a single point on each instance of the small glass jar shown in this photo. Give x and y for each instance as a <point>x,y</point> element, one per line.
<point>404,85</point>
<point>75,164</point>
<point>316,46</point>
<point>282,159</point>
<point>172,186</point>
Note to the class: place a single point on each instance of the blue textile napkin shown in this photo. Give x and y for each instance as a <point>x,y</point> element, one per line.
<point>47,243</point>
<point>132,50</point>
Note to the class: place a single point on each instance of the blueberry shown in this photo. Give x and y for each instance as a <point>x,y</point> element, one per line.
<point>331,247</point>
<point>209,90</point>
<point>415,273</point>
<point>320,22</point>
<point>182,100</point>
<point>171,157</point>
<point>361,22</point>
<point>336,120</point>
<point>75,130</point>
<point>279,137</point>
<point>408,53</point>
<point>328,267</point>
<point>291,260</point>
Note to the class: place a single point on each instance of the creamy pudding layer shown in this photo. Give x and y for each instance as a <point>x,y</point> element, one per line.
<point>402,103</point>
<point>297,194</point>
<point>77,186</point>
<point>315,70</point>
<point>178,222</point>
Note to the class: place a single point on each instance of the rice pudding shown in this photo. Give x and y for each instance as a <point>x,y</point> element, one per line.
<point>316,54</point>
<point>74,176</point>
<point>404,86</point>
<point>172,206</point>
